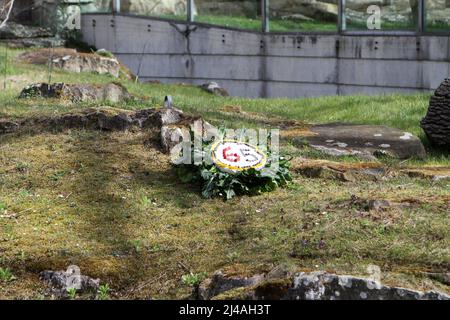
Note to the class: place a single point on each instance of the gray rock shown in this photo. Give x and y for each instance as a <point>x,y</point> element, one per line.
<point>308,286</point>
<point>159,117</point>
<point>13,30</point>
<point>171,133</point>
<point>8,126</point>
<point>35,42</point>
<point>221,282</point>
<point>88,63</point>
<point>214,88</point>
<point>113,92</point>
<point>61,281</point>
<point>325,286</point>
<point>436,123</point>
<point>73,61</point>
<point>378,205</point>
<point>104,118</point>
<point>365,141</point>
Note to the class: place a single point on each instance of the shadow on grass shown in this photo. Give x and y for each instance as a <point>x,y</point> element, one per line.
<point>108,168</point>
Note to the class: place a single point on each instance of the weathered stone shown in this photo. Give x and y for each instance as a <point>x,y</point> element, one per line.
<point>325,286</point>
<point>214,88</point>
<point>14,30</point>
<point>171,133</point>
<point>436,123</point>
<point>308,286</point>
<point>113,92</point>
<point>220,283</point>
<point>440,277</point>
<point>8,126</point>
<point>62,281</point>
<point>148,7</point>
<point>317,10</point>
<point>365,141</point>
<point>35,42</point>
<point>71,60</point>
<point>378,205</point>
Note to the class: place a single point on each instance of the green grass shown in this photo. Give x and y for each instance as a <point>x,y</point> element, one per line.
<point>111,203</point>
<point>395,110</point>
<point>289,25</point>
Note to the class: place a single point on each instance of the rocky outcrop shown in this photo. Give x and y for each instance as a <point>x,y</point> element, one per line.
<point>436,123</point>
<point>13,30</point>
<point>104,118</point>
<point>16,35</point>
<point>147,7</point>
<point>317,10</point>
<point>113,92</point>
<point>166,121</point>
<point>307,286</point>
<point>8,126</point>
<point>71,60</point>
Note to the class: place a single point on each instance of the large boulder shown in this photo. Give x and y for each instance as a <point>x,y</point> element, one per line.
<point>436,123</point>
<point>13,30</point>
<point>214,88</point>
<point>318,10</point>
<point>318,285</point>
<point>147,7</point>
<point>365,141</point>
<point>71,60</point>
<point>113,92</point>
<point>62,281</point>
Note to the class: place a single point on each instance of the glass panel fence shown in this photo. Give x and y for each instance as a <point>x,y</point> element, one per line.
<point>383,15</point>
<point>97,6</point>
<point>242,14</point>
<point>437,15</point>
<point>173,9</point>
<point>290,15</point>
<point>303,15</point>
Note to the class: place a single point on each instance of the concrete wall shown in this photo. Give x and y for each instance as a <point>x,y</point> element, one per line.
<point>252,64</point>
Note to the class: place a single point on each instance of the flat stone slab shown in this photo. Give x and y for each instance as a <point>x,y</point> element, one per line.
<point>366,141</point>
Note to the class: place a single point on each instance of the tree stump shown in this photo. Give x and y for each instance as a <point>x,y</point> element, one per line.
<point>436,124</point>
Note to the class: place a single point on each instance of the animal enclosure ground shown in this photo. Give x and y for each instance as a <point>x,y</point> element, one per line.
<point>110,202</point>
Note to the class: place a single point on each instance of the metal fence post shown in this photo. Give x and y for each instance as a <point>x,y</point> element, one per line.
<point>265,15</point>
<point>341,16</point>
<point>116,6</point>
<point>190,10</point>
<point>421,27</point>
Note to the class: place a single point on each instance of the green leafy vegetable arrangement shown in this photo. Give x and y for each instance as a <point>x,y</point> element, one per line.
<point>217,183</point>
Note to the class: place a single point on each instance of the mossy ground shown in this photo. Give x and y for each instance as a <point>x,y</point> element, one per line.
<point>111,204</point>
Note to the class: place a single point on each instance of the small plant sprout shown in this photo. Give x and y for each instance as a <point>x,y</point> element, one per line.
<point>72,293</point>
<point>103,292</point>
<point>145,201</point>
<point>232,256</point>
<point>193,279</point>
<point>6,275</point>
<point>137,245</point>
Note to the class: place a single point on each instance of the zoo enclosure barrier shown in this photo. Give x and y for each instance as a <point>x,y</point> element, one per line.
<point>353,17</point>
